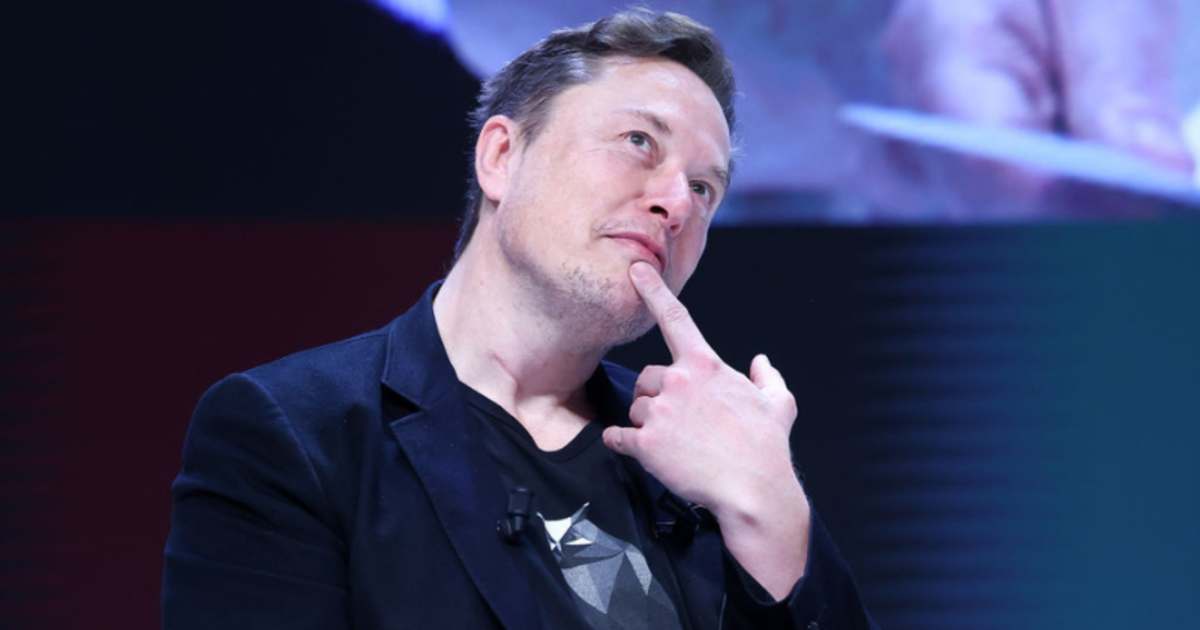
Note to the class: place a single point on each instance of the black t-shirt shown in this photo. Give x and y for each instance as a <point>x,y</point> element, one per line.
<point>588,548</point>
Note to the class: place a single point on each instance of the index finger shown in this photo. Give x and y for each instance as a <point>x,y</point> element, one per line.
<point>678,329</point>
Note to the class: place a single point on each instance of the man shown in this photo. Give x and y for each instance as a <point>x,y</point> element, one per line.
<point>359,484</point>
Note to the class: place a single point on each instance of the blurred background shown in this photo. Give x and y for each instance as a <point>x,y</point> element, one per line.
<point>998,367</point>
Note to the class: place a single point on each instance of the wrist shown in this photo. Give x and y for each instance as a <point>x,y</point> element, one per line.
<point>756,504</point>
<point>768,534</point>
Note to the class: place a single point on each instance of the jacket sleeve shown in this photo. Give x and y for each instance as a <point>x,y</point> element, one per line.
<point>253,541</point>
<point>826,597</point>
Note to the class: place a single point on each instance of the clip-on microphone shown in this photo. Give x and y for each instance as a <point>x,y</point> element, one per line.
<point>520,501</point>
<point>689,518</point>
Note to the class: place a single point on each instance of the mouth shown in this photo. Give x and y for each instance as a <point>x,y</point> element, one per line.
<point>650,249</point>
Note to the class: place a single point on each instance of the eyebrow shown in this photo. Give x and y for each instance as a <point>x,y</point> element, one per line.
<point>661,125</point>
<point>656,122</point>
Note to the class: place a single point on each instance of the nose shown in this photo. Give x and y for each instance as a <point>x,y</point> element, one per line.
<point>669,197</point>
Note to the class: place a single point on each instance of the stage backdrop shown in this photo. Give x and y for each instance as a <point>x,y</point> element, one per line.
<point>998,422</point>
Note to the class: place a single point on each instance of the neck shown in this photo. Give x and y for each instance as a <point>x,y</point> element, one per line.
<point>505,346</point>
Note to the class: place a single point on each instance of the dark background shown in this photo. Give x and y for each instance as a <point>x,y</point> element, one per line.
<point>996,421</point>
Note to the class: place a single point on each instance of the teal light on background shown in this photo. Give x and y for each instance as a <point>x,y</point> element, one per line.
<point>999,423</point>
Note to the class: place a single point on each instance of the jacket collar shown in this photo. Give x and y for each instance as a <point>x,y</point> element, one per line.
<point>416,365</point>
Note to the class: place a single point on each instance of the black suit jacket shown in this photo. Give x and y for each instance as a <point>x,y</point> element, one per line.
<point>346,487</point>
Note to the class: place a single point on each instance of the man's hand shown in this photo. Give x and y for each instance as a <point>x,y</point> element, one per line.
<point>715,437</point>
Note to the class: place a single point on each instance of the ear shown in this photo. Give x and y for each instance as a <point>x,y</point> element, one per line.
<point>494,150</point>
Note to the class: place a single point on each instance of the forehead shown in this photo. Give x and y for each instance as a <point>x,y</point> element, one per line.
<point>664,89</point>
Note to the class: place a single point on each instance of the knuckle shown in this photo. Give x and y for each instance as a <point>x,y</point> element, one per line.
<point>707,362</point>
<point>648,376</point>
<point>649,371</point>
<point>789,402</point>
<point>622,438</point>
<point>674,378</point>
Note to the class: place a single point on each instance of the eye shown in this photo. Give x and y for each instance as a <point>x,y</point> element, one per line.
<point>702,188</point>
<point>640,139</point>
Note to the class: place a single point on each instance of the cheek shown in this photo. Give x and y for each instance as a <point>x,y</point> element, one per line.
<point>611,170</point>
<point>571,191</point>
<point>536,206</point>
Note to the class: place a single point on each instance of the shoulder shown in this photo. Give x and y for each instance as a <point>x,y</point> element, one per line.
<point>309,388</point>
<point>334,369</point>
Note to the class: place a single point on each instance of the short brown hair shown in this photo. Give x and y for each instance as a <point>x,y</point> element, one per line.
<point>524,88</point>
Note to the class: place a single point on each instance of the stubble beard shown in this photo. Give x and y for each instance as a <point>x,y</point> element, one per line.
<point>595,303</point>
<point>591,309</point>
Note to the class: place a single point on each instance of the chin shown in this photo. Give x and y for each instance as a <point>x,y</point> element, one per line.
<point>604,308</point>
<point>622,317</point>
<point>633,329</point>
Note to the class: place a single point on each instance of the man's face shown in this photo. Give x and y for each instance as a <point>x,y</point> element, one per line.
<point>628,167</point>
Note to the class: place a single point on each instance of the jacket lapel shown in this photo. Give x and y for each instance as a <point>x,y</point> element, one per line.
<point>444,449</point>
<point>465,489</point>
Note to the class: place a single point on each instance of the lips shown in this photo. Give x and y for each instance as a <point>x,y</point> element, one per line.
<point>656,251</point>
